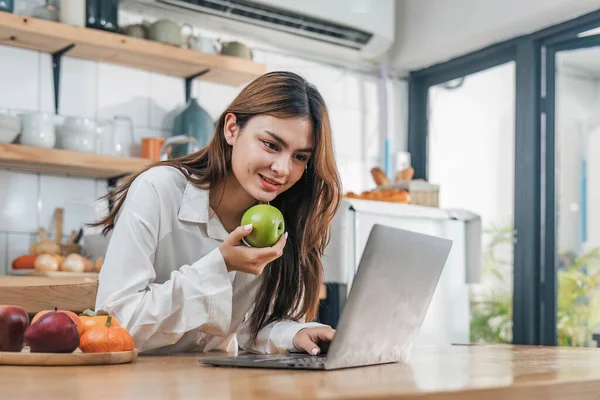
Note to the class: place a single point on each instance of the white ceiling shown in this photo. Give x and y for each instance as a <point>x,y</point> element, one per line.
<point>432,31</point>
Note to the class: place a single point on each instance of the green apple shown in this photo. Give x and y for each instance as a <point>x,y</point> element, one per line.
<point>267,225</point>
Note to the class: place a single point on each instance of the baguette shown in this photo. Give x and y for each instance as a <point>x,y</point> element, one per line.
<point>405,175</point>
<point>379,177</point>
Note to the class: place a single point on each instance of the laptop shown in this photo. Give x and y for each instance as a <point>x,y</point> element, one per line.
<point>390,295</point>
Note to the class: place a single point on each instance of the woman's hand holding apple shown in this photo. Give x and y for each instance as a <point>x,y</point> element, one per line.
<point>239,257</point>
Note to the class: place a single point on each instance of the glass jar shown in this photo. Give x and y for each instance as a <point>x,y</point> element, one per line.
<point>122,143</point>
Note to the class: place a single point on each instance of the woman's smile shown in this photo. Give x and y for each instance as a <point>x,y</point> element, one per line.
<point>269,184</point>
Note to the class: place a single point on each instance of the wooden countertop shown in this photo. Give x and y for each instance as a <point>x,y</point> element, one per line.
<point>457,372</point>
<point>36,293</point>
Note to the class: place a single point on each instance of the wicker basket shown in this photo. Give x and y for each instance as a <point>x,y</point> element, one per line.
<point>422,193</point>
<point>427,198</point>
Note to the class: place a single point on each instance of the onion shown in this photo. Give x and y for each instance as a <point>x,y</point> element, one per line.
<point>73,263</point>
<point>89,265</point>
<point>98,264</point>
<point>46,263</point>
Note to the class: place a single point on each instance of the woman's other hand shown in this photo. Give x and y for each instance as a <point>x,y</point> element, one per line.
<point>239,257</point>
<point>314,340</point>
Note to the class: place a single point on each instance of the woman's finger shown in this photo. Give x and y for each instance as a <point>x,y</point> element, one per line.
<point>236,236</point>
<point>278,247</point>
<point>314,340</point>
<point>267,254</point>
<point>304,342</point>
<point>324,333</point>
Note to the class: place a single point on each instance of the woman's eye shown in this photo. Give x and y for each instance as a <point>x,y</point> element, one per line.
<point>300,157</point>
<point>270,145</point>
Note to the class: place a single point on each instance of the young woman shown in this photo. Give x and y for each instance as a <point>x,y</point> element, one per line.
<point>176,273</point>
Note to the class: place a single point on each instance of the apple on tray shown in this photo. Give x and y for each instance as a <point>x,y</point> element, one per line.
<point>53,332</point>
<point>71,314</point>
<point>267,225</point>
<point>13,323</point>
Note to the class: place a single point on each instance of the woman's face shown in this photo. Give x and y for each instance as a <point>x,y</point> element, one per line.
<point>269,155</point>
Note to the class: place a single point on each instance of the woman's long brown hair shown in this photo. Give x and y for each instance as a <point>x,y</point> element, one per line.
<point>290,285</point>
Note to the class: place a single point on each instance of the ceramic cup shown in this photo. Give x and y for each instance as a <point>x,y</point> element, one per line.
<point>137,30</point>
<point>38,129</point>
<point>79,134</point>
<point>165,31</point>
<point>151,148</point>
<point>234,49</point>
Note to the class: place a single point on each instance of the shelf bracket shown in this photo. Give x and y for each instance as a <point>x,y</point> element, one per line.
<point>56,59</point>
<point>188,84</point>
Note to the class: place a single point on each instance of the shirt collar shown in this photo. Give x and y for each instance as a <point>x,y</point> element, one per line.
<point>195,208</point>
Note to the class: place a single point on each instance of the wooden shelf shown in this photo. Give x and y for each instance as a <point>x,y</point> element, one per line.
<point>92,44</point>
<point>37,159</point>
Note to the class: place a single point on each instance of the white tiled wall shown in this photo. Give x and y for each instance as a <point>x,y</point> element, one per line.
<point>99,90</point>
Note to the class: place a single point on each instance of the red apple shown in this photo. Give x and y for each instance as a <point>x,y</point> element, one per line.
<point>13,322</point>
<point>53,332</point>
<point>71,314</point>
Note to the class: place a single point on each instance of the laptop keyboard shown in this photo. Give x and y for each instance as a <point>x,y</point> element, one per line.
<point>302,360</point>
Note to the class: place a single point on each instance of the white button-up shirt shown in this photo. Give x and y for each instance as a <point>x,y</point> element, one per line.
<point>165,280</point>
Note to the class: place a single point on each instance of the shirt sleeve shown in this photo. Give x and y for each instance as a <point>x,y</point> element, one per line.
<point>277,337</point>
<point>156,315</point>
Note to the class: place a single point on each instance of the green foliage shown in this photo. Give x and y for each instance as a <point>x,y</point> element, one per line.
<point>578,300</point>
<point>578,295</point>
<point>491,301</point>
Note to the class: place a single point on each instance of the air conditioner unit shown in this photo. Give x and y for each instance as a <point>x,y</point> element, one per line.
<point>359,30</point>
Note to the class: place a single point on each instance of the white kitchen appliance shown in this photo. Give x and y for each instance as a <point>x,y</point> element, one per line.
<point>447,320</point>
<point>351,30</point>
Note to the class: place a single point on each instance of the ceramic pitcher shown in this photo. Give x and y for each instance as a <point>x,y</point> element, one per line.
<point>235,49</point>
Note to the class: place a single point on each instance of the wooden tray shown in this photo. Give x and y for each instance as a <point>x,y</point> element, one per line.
<point>75,358</point>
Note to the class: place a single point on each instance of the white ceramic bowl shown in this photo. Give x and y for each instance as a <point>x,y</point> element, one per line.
<point>77,140</point>
<point>10,127</point>
<point>10,122</point>
<point>80,124</point>
<point>7,135</point>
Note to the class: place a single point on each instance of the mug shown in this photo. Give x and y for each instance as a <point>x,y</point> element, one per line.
<point>151,148</point>
<point>78,134</point>
<point>38,129</point>
<point>139,31</point>
<point>166,31</point>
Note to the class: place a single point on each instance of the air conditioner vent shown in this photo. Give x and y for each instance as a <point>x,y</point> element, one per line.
<point>282,20</point>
